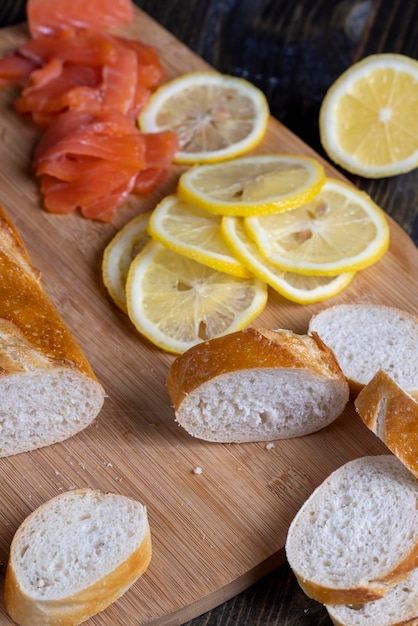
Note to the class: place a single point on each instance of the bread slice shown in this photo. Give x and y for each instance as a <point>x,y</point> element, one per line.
<point>392,415</point>
<point>48,391</point>
<point>256,385</point>
<point>74,556</point>
<point>399,607</point>
<point>357,534</point>
<point>369,337</point>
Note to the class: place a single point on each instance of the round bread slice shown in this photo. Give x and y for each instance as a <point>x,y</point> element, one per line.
<point>369,337</point>
<point>256,385</point>
<point>399,607</point>
<point>74,556</point>
<point>357,534</point>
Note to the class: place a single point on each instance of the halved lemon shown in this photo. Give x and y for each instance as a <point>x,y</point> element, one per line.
<point>118,255</point>
<point>177,302</point>
<point>295,287</point>
<point>341,230</point>
<point>369,117</point>
<point>195,233</point>
<point>214,116</point>
<point>253,185</point>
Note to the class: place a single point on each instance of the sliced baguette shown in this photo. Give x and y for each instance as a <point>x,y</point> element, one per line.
<point>256,385</point>
<point>74,556</point>
<point>399,607</point>
<point>48,391</point>
<point>369,337</point>
<point>392,415</point>
<point>357,534</point>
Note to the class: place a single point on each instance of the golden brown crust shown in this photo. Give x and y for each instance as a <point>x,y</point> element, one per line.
<point>248,349</point>
<point>343,596</point>
<point>28,319</point>
<point>13,246</point>
<point>392,415</point>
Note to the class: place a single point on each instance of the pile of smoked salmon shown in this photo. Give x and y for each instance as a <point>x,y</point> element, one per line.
<point>85,87</point>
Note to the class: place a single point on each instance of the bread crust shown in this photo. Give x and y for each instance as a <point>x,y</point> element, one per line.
<point>249,349</point>
<point>77,608</point>
<point>375,590</point>
<point>13,246</point>
<point>392,415</point>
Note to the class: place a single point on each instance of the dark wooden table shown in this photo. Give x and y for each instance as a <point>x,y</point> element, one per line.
<point>293,51</point>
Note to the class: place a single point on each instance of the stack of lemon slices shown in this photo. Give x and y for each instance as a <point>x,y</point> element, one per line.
<point>200,265</point>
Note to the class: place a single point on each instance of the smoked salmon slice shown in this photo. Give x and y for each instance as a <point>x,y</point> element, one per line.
<point>88,47</point>
<point>93,163</point>
<point>86,86</point>
<point>46,17</point>
<point>15,70</point>
<point>87,71</point>
<point>150,70</point>
<point>160,149</point>
<point>57,87</point>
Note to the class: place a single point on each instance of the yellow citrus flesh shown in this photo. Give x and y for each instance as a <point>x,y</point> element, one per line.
<point>177,302</point>
<point>215,116</point>
<point>118,255</point>
<point>300,288</point>
<point>253,185</point>
<point>195,233</point>
<point>369,117</point>
<point>341,230</point>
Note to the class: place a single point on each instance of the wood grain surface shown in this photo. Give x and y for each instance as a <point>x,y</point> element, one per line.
<point>217,533</point>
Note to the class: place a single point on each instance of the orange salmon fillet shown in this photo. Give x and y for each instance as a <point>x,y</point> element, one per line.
<point>46,17</point>
<point>86,87</point>
<point>93,163</point>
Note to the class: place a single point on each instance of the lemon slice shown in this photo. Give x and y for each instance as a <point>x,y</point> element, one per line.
<point>195,233</point>
<point>118,255</point>
<point>295,287</point>
<point>214,116</point>
<point>253,185</point>
<point>341,230</point>
<point>369,117</point>
<point>177,302</point>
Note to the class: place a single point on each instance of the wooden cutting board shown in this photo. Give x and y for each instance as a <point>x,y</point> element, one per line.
<point>215,533</point>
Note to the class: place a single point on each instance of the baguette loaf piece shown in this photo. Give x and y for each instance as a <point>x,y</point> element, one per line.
<point>357,534</point>
<point>369,337</point>
<point>48,391</point>
<point>256,385</point>
<point>399,607</point>
<point>74,556</point>
<point>392,415</point>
